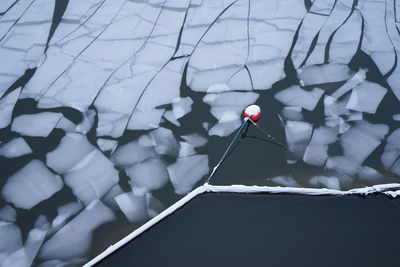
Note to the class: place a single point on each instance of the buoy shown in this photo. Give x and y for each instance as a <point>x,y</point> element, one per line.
<point>253,112</point>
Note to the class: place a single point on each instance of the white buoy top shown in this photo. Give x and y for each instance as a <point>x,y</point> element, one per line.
<point>253,112</point>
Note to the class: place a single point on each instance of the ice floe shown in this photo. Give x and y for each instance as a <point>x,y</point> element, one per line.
<point>6,107</point>
<point>134,207</point>
<point>132,153</point>
<point>8,214</point>
<point>92,177</point>
<point>74,239</point>
<point>326,181</point>
<point>11,239</point>
<point>31,185</point>
<point>326,73</point>
<point>15,148</point>
<point>39,124</point>
<point>187,171</point>
<point>66,211</point>
<point>72,149</point>
<point>195,139</point>
<point>366,97</point>
<point>297,97</point>
<point>148,175</point>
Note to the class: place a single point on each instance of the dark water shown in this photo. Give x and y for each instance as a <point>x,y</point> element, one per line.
<point>228,229</point>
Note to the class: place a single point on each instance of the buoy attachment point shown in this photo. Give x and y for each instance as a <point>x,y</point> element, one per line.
<point>252,112</point>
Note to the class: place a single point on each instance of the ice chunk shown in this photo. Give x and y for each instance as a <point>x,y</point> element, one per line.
<point>8,214</point>
<point>327,73</point>
<point>107,144</point>
<point>376,41</point>
<point>148,175</point>
<point>225,128</point>
<point>109,197</point>
<point>132,153</point>
<point>218,88</point>
<point>165,142</point>
<point>285,181</point>
<point>15,148</point>
<point>134,207</point>
<point>87,122</point>
<point>358,78</point>
<point>368,174</point>
<point>7,104</point>
<point>186,149</point>
<point>92,177</point>
<point>391,153</point>
<point>42,223</point>
<point>296,97</point>
<point>234,99</point>
<point>25,255</point>
<point>145,119</point>
<point>357,143</point>
<point>72,148</point>
<point>396,117</point>
<point>195,139</point>
<point>10,237</point>
<point>292,113</point>
<point>346,39</point>
<point>329,182</point>
<point>66,125</point>
<point>180,107</point>
<point>298,134</point>
<point>366,97</point>
<point>31,185</point>
<point>66,211</point>
<point>154,206</point>
<point>186,172</point>
<point>317,150</point>
<point>75,238</point>
<point>39,124</point>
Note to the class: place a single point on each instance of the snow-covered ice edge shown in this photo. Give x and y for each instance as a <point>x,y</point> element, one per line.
<point>391,190</point>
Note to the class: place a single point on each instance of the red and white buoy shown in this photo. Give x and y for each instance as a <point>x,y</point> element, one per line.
<point>253,112</point>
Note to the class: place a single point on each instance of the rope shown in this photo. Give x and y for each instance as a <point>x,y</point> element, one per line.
<point>273,140</point>
<point>226,151</point>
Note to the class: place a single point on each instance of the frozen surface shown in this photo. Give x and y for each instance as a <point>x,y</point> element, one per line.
<point>31,185</point>
<point>128,104</point>
<point>15,148</point>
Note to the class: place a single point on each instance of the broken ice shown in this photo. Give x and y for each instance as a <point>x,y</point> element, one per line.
<point>31,185</point>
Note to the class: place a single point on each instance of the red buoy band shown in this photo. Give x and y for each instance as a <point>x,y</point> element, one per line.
<point>253,112</point>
